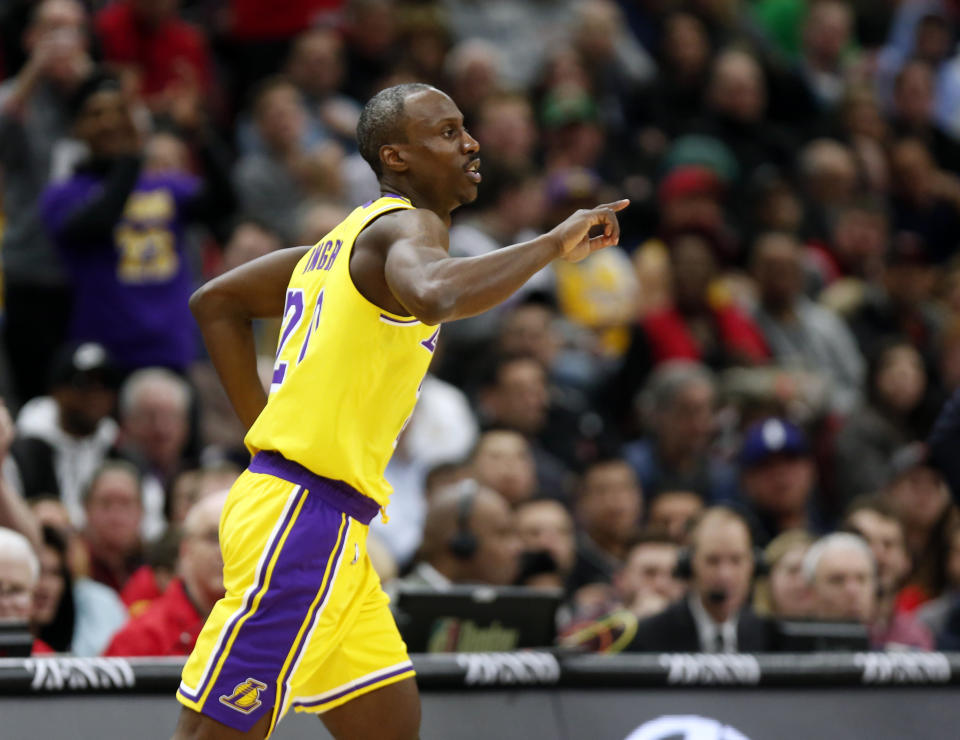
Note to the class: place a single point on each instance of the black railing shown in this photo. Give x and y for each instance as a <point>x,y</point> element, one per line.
<point>63,675</point>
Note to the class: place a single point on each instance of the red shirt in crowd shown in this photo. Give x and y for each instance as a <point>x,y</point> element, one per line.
<point>156,53</point>
<point>256,20</point>
<point>141,590</point>
<point>670,339</point>
<point>169,627</point>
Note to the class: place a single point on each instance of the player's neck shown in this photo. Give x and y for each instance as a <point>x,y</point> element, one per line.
<point>390,186</point>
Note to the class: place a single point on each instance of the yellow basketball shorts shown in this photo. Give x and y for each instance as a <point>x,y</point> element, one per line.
<point>304,621</point>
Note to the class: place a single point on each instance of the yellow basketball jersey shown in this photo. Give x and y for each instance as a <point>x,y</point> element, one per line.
<point>347,373</point>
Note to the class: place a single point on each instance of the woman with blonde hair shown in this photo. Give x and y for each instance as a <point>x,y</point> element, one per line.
<point>783,592</point>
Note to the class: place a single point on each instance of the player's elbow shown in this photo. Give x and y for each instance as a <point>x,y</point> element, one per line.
<point>431,305</point>
<point>211,300</point>
<point>200,300</point>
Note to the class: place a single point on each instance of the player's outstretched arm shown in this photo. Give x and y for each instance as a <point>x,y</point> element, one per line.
<point>225,307</point>
<point>435,287</point>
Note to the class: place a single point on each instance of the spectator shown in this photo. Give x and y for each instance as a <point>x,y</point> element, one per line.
<point>736,102</point>
<point>670,101</point>
<point>34,121</point>
<point>894,413</point>
<point>545,526</point>
<point>829,180</point>
<point>600,294</point>
<point>925,204</point>
<point>918,494</point>
<point>933,614</point>
<point>534,328</point>
<point>114,508</point>
<point>370,34</point>
<point>884,533</point>
<point>715,617</point>
<point>14,512</point>
<point>502,460</point>
<point>171,624</point>
<point>148,42</point>
<point>697,326</point>
<point>121,232</point>
<point>19,574</point>
<point>609,507</point>
<point>507,130</point>
<point>155,423</point>
<point>841,572</point>
<point>274,183</point>
<point>648,581</point>
<point>248,240</point>
<point>913,113</point>
<point>469,536</point>
<point>72,615</point>
<point>515,396</point>
<point>677,407</point>
<point>800,333</point>
<point>783,593</point>
<point>673,512</point>
<point>778,479</point>
<point>316,67</point>
<point>65,436</point>
<point>827,34</point>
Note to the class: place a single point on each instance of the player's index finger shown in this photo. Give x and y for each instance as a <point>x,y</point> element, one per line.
<point>617,205</point>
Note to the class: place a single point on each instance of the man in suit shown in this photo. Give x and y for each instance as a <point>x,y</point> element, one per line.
<point>469,537</point>
<point>714,617</point>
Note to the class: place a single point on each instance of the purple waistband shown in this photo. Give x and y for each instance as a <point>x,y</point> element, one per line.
<point>341,496</point>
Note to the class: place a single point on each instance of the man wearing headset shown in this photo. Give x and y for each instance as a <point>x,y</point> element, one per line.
<point>469,537</point>
<point>714,616</point>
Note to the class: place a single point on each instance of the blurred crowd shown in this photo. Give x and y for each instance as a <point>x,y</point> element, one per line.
<point>744,412</point>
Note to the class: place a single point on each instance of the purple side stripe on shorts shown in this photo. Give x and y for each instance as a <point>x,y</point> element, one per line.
<point>263,641</point>
<point>314,614</point>
<point>228,629</point>
<point>350,689</point>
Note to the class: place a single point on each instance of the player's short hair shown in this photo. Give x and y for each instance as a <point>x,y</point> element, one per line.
<point>381,121</point>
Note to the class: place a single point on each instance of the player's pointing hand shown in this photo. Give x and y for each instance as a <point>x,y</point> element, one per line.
<point>588,230</point>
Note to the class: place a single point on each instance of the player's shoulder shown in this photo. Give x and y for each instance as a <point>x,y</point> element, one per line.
<point>405,223</point>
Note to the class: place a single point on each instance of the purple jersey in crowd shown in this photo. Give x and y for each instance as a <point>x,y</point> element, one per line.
<point>131,293</point>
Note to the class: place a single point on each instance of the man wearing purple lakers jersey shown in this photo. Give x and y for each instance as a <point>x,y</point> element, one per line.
<point>304,622</point>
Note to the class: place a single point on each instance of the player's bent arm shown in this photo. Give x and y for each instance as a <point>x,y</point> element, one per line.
<point>435,287</point>
<point>225,308</point>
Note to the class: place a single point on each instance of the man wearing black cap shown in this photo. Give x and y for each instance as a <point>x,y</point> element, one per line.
<point>63,437</point>
<point>778,478</point>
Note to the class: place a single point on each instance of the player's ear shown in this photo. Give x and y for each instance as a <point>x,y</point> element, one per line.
<point>392,157</point>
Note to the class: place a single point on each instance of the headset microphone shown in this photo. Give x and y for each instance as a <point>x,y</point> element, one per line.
<point>716,595</point>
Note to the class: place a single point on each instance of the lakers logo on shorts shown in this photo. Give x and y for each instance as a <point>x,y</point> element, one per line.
<point>245,697</point>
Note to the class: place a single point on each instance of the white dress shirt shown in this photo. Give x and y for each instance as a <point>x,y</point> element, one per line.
<point>714,637</point>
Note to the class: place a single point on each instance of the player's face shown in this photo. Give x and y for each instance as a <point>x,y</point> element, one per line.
<point>440,153</point>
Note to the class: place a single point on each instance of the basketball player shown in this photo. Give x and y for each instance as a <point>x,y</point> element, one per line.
<point>304,622</point>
